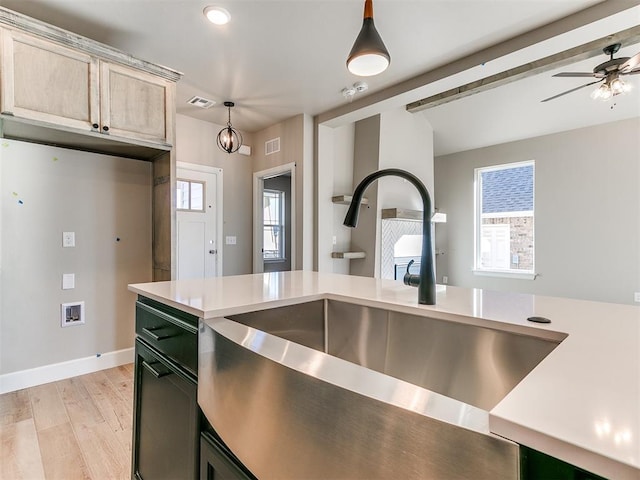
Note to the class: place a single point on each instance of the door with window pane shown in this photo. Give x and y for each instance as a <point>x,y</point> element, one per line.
<point>196,217</point>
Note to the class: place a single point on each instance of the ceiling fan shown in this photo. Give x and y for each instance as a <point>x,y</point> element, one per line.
<point>607,73</point>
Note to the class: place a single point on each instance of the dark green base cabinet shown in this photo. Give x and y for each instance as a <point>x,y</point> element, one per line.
<point>216,463</point>
<point>535,465</point>
<point>167,443</point>
<point>166,426</point>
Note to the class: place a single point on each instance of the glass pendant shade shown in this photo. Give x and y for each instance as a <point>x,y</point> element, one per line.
<point>229,139</point>
<point>612,86</point>
<point>369,56</point>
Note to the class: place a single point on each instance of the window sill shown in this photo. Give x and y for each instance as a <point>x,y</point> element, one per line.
<point>506,274</point>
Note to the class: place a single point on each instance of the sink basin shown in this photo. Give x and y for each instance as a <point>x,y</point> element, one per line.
<point>330,389</point>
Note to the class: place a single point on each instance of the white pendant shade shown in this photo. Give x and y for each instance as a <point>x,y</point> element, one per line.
<point>368,64</point>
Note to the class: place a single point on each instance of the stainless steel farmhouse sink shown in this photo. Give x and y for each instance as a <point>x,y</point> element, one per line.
<point>334,390</point>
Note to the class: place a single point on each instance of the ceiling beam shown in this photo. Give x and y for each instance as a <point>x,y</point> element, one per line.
<point>588,50</point>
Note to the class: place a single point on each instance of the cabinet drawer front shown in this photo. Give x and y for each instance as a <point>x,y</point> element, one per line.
<point>170,335</point>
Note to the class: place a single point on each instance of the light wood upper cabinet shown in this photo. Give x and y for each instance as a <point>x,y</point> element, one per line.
<point>47,82</point>
<point>74,89</point>
<point>135,104</point>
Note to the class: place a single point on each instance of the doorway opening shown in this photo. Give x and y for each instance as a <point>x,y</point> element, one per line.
<point>274,219</point>
<point>198,221</point>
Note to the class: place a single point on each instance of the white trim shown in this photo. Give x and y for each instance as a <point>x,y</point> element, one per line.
<point>506,274</point>
<point>10,382</point>
<point>219,209</point>
<point>522,213</point>
<point>258,184</point>
<point>477,209</point>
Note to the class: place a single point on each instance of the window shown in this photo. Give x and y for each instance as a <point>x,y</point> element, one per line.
<point>273,227</point>
<point>190,195</point>
<point>504,237</point>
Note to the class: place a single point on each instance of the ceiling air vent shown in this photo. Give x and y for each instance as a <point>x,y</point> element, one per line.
<point>201,102</point>
<point>272,146</point>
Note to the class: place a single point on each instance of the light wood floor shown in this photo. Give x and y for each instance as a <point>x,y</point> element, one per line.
<point>79,428</point>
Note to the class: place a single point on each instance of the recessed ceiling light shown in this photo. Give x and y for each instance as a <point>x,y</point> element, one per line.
<point>217,15</point>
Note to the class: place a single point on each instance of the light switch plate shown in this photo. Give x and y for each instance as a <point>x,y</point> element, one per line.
<point>230,240</point>
<point>68,239</point>
<point>68,281</point>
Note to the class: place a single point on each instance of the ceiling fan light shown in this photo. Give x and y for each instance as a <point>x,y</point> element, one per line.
<point>597,93</point>
<point>369,55</point>
<point>617,86</point>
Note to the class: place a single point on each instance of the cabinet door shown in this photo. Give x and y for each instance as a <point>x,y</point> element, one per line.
<point>136,104</point>
<point>46,82</point>
<point>215,464</point>
<point>165,431</point>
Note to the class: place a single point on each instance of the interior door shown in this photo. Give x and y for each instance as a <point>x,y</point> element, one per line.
<point>196,224</point>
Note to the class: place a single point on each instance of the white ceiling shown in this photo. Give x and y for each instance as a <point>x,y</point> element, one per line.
<point>277,59</point>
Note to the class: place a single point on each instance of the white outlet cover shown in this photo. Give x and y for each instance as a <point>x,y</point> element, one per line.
<point>636,297</point>
<point>230,240</point>
<point>75,310</point>
<point>68,281</point>
<point>68,239</point>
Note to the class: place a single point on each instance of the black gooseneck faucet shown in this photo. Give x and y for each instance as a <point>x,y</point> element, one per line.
<point>426,280</point>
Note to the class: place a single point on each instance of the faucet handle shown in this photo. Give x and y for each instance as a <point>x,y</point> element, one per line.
<point>411,279</point>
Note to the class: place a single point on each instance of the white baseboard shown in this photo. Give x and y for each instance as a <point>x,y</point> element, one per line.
<point>10,382</point>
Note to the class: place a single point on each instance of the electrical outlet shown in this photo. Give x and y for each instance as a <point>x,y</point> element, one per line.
<point>445,280</point>
<point>636,297</point>
<point>68,239</point>
<point>71,314</point>
<point>335,240</point>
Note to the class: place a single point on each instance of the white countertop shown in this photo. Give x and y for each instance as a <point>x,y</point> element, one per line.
<point>580,404</point>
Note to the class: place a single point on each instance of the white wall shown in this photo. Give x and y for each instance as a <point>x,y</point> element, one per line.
<point>587,212</point>
<point>196,143</point>
<point>100,198</point>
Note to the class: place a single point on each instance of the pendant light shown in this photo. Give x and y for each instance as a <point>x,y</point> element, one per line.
<point>368,55</point>
<point>229,139</point>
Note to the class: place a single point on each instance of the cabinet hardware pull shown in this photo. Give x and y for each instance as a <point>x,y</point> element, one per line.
<point>154,372</point>
<point>105,128</point>
<point>155,336</point>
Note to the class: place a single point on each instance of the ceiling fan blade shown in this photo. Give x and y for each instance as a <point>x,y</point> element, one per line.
<point>574,74</point>
<point>630,64</point>
<point>572,90</point>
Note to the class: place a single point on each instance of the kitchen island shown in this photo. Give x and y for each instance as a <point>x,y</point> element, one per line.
<point>580,404</point>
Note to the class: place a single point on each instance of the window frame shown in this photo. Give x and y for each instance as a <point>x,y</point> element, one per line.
<point>477,228</point>
<point>189,196</point>
<point>281,225</point>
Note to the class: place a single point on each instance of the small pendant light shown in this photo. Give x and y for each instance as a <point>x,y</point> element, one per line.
<point>368,55</point>
<point>229,139</point>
